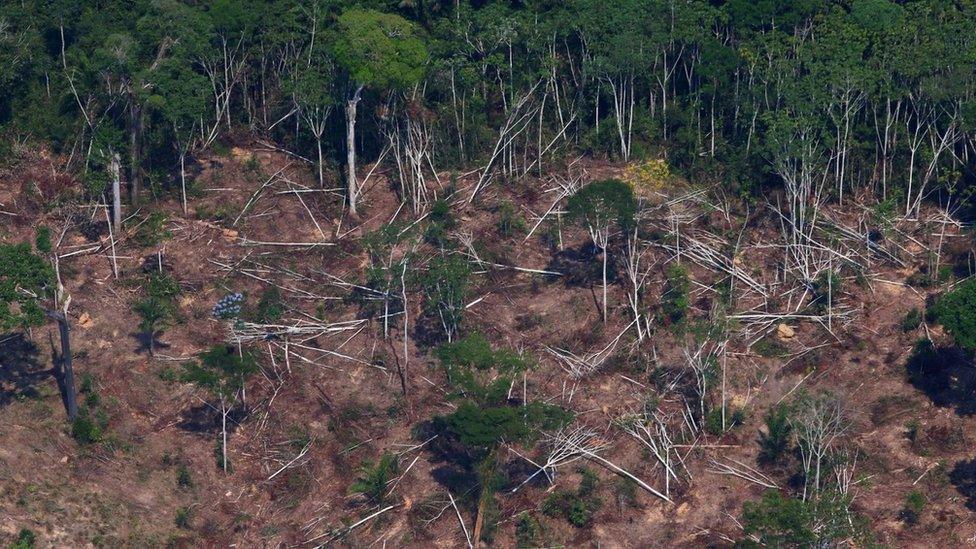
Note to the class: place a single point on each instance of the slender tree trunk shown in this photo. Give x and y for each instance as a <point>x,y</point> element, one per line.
<point>183,178</point>
<point>223,434</point>
<point>605,284</point>
<point>318,148</point>
<point>351,151</point>
<point>116,192</point>
<point>135,172</point>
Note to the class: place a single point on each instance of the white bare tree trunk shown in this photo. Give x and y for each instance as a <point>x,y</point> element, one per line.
<point>351,151</point>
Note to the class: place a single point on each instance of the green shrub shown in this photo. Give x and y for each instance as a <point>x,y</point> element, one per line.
<point>527,531</point>
<point>43,239</point>
<point>373,478</point>
<point>183,477</point>
<point>713,420</point>
<point>826,288</point>
<point>956,311</point>
<point>270,307</point>
<point>26,539</point>
<point>440,223</point>
<point>577,507</point>
<point>774,443</point>
<point>675,301</point>
<point>510,222</point>
<point>85,429</point>
<point>779,521</point>
<point>912,320</point>
<point>446,287</point>
<point>182,519</point>
<point>152,230</point>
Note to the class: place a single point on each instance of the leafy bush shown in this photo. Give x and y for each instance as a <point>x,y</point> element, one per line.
<point>733,418</point>
<point>912,320</point>
<point>788,522</point>
<point>675,300</point>
<point>158,308</point>
<point>510,222</point>
<point>373,478</point>
<point>26,539</point>
<point>527,531</point>
<point>151,231</point>
<point>85,428</point>
<point>446,286</point>
<point>914,505</point>
<point>43,239</point>
<point>825,288</point>
<point>774,443</point>
<point>440,223</point>
<point>270,307</point>
<point>577,507</point>
<point>956,311</point>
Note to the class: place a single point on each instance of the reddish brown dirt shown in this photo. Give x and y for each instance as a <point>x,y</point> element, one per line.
<point>124,491</point>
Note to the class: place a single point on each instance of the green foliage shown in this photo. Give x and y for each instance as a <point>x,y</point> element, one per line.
<point>527,531</point>
<point>788,522</point>
<point>26,280</point>
<point>510,222</point>
<point>713,420</point>
<point>956,311</point>
<point>774,442</point>
<point>182,518</point>
<point>221,370</point>
<point>826,289</point>
<point>440,223</point>
<point>151,230</point>
<point>86,428</point>
<point>477,371</point>
<point>373,478</point>
<point>912,320</point>
<point>42,239</point>
<point>26,539</point>
<point>446,287</point>
<point>602,203</point>
<point>270,307</point>
<point>379,49</point>
<point>184,479</point>
<point>577,507</point>
<point>158,308</point>
<point>675,301</point>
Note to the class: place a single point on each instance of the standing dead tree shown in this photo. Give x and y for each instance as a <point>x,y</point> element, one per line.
<point>520,115</point>
<point>654,432</point>
<point>409,137</point>
<point>818,423</point>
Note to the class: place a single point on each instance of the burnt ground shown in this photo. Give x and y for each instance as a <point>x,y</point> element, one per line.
<point>153,478</point>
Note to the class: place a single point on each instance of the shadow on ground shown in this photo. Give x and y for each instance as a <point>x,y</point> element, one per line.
<point>20,369</point>
<point>945,374</point>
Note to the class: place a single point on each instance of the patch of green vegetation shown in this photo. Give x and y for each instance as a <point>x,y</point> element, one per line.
<point>150,231</point>
<point>42,239</point>
<point>26,539</point>
<point>956,311</point>
<point>912,320</point>
<point>510,223</point>
<point>373,478</point>
<point>577,507</point>
<point>770,347</point>
<point>774,442</point>
<point>440,221</point>
<point>675,301</point>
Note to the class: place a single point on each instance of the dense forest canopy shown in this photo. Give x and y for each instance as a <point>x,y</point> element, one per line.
<point>845,95</point>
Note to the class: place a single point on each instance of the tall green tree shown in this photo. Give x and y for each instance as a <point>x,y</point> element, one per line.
<point>375,50</point>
